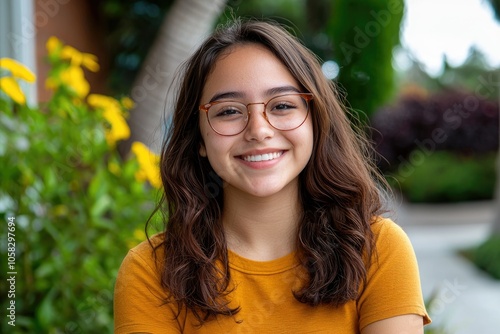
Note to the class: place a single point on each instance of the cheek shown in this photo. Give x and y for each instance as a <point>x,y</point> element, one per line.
<point>204,131</point>
<point>306,138</point>
<point>215,148</point>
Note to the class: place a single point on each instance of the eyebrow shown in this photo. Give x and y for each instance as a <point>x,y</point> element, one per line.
<point>281,90</point>
<point>226,95</point>
<point>268,92</point>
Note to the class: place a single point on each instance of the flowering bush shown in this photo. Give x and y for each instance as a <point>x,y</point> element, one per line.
<point>76,206</point>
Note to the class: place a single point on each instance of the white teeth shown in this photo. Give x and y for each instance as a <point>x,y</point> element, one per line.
<point>262,157</point>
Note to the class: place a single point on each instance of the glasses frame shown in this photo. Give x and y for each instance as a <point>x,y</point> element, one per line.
<point>306,96</point>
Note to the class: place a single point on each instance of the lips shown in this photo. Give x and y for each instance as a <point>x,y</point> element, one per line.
<point>262,157</point>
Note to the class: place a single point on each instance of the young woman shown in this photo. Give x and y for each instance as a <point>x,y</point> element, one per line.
<point>274,212</point>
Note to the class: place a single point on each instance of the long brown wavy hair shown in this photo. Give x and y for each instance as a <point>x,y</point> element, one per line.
<point>338,188</point>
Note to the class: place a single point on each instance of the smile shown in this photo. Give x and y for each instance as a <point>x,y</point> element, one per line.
<point>262,157</point>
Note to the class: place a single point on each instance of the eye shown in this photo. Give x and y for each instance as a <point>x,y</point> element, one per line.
<point>281,107</point>
<point>227,111</point>
<point>284,105</point>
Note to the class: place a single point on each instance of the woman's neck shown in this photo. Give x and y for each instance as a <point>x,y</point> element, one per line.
<point>261,229</point>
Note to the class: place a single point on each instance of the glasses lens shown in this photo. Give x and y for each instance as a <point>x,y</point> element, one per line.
<point>284,112</point>
<point>287,112</point>
<point>228,118</point>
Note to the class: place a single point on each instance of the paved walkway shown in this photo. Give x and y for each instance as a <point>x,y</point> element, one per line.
<point>467,300</point>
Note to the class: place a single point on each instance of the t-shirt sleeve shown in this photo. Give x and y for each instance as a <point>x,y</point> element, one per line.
<point>393,282</point>
<point>139,299</point>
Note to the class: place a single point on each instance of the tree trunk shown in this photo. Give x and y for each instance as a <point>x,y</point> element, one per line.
<point>183,29</point>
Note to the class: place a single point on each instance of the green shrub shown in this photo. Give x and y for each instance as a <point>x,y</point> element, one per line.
<point>446,177</point>
<point>486,256</point>
<point>451,120</point>
<point>72,204</point>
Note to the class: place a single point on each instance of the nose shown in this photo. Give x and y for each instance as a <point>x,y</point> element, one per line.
<point>258,128</point>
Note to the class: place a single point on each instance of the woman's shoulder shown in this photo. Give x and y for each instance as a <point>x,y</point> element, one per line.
<point>393,250</point>
<point>139,297</point>
<point>148,253</point>
<point>390,237</point>
<point>383,227</point>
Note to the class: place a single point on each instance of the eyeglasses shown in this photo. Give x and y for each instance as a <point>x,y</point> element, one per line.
<point>283,112</point>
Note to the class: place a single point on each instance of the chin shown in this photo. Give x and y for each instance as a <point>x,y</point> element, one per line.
<point>266,190</point>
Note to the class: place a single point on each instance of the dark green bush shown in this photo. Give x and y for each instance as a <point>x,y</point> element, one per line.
<point>439,148</point>
<point>486,256</point>
<point>452,120</point>
<point>445,177</point>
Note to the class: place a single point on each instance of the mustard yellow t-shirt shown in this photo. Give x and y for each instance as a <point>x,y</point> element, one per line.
<point>263,290</point>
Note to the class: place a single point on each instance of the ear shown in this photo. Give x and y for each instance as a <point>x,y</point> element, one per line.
<point>202,150</point>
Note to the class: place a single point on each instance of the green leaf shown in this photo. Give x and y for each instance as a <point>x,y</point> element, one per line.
<point>46,313</point>
<point>100,206</point>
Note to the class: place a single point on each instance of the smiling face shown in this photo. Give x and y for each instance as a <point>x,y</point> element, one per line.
<point>260,161</point>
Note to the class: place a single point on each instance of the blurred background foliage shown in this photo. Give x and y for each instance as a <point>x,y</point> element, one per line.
<point>439,147</point>
<point>495,4</point>
<point>81,206</point>
<point>131,27</point>
<point>77,206</point>
<point>363,43</point>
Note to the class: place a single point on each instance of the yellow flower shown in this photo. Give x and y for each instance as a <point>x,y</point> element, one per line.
<point>9,84</point>
<point>102,101</point>
<point>137,237</point>
<point>148,164</point>
<point>74,78</point>
<point>12,89</point>
<point>51,83</point>
<point>114,116</point>
<point>53,45</point>
<point>119,127</point>
<point>114,168</point>
<point>80,58</point>
<point>17,70</point>
<point>127,102</point>
<point>139,234</point>
<point>60,210</point>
